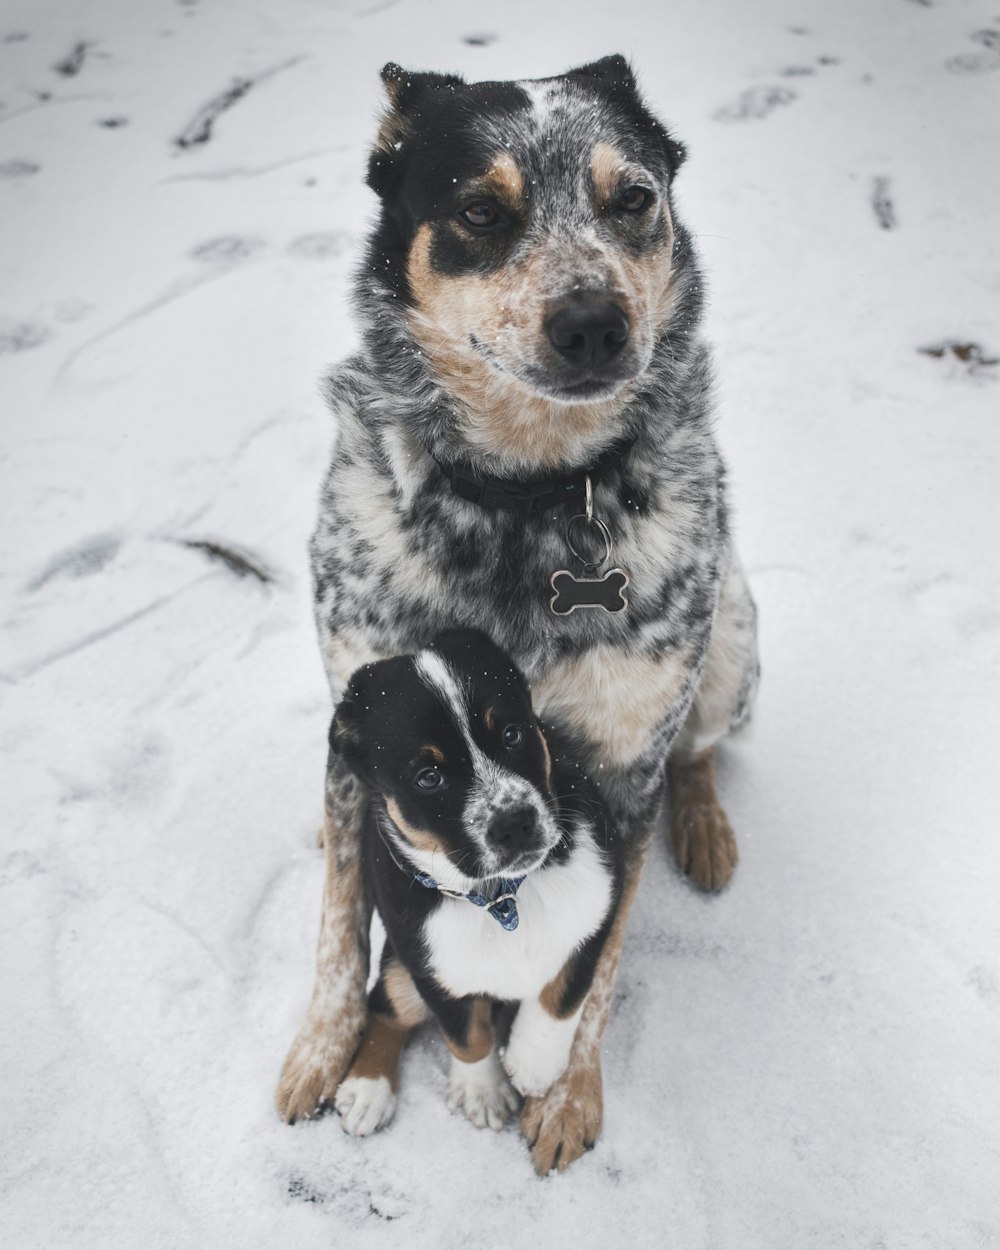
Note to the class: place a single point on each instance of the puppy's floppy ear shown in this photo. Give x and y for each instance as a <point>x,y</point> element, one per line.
<point>615,79</point>
<point>405,89</point>
<point>345,735</point>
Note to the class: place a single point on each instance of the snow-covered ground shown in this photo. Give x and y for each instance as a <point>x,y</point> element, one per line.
<point>811,1059</point>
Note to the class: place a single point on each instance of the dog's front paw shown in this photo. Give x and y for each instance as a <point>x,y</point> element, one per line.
<point>563,1123</point>
<point>703,843</point>
<point>315,1065</point>
<point>482,1091</point>
<point>365,1104</point>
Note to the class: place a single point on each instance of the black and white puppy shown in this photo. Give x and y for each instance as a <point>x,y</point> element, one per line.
<point>494,867</point>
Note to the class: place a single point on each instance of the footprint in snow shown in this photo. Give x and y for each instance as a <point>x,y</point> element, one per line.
<point>321,246</point>
<point>755,103</point>
<point>227,249</point>
<point>82,560</point>
<point>18,168</point>
<point>978,62</point>
<point>976,359</point>
<point>21,336</point>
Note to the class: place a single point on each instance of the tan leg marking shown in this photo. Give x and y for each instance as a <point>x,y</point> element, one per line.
<point>553,995</point>
<point>332,1029</point>
<point>380,1049</point>
<point>564,1122</point>
<point>479,1042</point>
<point>409,1007</point>
<point>700,832</point>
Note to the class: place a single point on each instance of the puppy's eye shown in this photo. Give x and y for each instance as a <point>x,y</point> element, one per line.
<point>513,736</point>
<point>428,779</point>
<point>634,200</point>
<point>482,216</point>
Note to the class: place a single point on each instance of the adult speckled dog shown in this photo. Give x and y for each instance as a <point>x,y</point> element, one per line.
<point>494,867</point>
<point>530,306</point>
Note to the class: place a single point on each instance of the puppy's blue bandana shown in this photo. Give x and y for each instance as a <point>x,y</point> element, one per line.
<point>501,904</point>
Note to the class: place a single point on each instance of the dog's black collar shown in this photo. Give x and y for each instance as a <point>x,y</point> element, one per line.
<point>505,492</point>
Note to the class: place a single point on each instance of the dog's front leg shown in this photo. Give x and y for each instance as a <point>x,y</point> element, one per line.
<point>700,832</point>
<point>332,1029</point>
<point>564,1122</point>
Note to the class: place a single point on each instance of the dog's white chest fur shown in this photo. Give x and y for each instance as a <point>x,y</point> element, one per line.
<point>558,907</point>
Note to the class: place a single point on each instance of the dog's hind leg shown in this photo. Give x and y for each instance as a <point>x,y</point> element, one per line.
<point>333,1026</point>
<point>700,832</point>
<point>366,1098</point>
<point>564,1122</point>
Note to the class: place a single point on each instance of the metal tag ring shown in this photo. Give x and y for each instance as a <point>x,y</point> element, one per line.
<point>605,534</point>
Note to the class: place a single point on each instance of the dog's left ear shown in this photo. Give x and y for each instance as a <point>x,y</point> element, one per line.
<point>611,70</point>
<point>406,90</point>
<point>614,78</point>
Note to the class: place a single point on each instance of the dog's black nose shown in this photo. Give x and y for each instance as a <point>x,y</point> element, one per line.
<point>588,333</point>
<point>514,828</point>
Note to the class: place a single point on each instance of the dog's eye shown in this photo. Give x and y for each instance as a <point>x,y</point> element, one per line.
<point>482,216</point>
<point>428,779</point>
<point>513,736</point>
<point>634,199</point>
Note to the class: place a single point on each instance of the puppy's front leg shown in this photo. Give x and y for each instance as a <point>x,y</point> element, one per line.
<point>477,1084</point>
<point>366,1098</point>
<point>334,1023</point>
<point>540,1045</point>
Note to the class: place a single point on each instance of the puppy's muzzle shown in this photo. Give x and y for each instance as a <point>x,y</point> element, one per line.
<point>588,334</point>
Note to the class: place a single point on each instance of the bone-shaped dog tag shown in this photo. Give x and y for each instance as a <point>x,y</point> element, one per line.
<point>605,592</point>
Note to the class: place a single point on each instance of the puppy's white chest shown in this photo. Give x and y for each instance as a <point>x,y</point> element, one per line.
<point>558,909</point>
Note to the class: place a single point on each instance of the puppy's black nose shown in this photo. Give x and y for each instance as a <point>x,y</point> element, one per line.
<point>514,828</point>
<point>589,333</point>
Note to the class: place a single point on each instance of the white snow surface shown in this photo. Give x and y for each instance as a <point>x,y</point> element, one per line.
<point>811,1059</point>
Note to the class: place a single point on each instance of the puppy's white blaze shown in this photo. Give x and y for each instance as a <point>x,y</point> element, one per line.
<point>441,679</point>
<point>558,907</point>
<point>539,1046</point>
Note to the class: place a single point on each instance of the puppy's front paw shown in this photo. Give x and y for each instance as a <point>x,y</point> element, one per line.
<point>365,1104</point>
<point>566,1121</point>
<point>482,1091</point>
<point>534,1068</point>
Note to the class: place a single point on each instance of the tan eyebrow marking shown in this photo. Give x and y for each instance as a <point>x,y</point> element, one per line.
<point>436,754</point>
<point>505,180</point>
<point>490,717</point>
<point>607,165</point>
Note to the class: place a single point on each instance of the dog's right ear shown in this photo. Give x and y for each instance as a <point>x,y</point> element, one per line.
<point>405,89</point>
